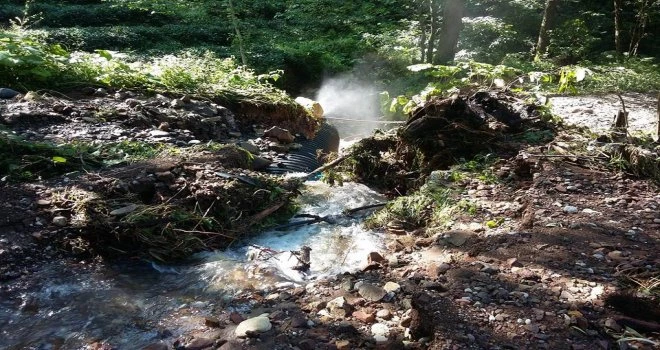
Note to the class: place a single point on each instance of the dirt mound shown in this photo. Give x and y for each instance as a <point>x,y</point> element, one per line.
<point>439,135</point>
<point>169,209</point>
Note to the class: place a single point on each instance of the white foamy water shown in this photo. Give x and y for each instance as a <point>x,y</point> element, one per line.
<point>336,248</point>
<point>131,305</point>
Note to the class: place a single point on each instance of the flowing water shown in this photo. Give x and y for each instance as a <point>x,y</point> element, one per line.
<point>130,305</point>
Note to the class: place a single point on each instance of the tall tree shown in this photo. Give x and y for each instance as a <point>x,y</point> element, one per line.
<point>239,37</point>
<point>435,12</point>
<point>423,8</point>
<point>617,28</point>
<point>546,25</point>
<point>452,24</point>
<point>642,11</point>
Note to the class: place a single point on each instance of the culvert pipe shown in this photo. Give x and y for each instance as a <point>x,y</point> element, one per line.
<point>305,160</point>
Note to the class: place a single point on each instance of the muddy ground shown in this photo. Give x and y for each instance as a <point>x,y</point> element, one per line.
<point>560,252</point>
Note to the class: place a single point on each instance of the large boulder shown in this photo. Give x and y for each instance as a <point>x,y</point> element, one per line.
<point>310,105</point>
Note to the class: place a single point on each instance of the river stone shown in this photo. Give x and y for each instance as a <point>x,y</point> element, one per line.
<point>250,147</point>
<point>200,344</point>
<point>392,287</point>
<point>282,135</point>
<point>159,133</point>
<point>371,292</point>
<point>457,237</point>
<point>380,332</point>
<point>257,324</point>
<point>60,221</point>
<point>125,210</point>
<point>339,307</point>
<point>312,106</point>
<point>156,346</point>
<point>8,93</point>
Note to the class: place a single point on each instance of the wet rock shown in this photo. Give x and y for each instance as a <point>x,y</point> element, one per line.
<point>391,287</point>
<point>60,221</point>
<point>30,304</point>
<point>513,262</point>
<point>343,345</point>
<point>612,324</point>
<point>371,292</point>
<point>231,345</point>
<point>457,238</point>
<point>430,285</point>
<point>200,344</point>
<point>339,307</point>
<point>250,147</point>
<point>156,346</point>
<point>385,314</point>
<point>124,210</point>
<point>211,322</point>
<point>8,93</point>
<point>260,163</point>
<point>375,257</point>
<point>279,148</point>
<point>157,134</point>
<point>101,92</point>
<point>177,103</point>
<point>282,135</point>
<point>299,321</point>
<point>310,105</point>
<point>253,325</point>
<point>364,317</point>
<point>236,318</point>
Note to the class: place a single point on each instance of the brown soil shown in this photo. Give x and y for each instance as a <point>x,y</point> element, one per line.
<point>571,261</point>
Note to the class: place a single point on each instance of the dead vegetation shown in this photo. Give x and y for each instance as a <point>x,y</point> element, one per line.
<point>168,209</point>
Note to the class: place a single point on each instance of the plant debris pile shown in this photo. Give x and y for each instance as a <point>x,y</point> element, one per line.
<point>167,209</point>
<point>439,134</point>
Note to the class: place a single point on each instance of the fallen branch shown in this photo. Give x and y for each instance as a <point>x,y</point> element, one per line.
<point>325,167</point>
<point>266,212</point>
<point>370,206</point>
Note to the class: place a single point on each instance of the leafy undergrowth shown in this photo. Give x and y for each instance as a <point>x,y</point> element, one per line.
<point>22,160</point>
<point>527,80</point>
<point>28,63</point>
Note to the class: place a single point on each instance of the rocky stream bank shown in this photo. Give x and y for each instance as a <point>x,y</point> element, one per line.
<point>551,249</point>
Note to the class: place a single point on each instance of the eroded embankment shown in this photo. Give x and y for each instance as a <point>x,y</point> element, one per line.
<point>118,172</point>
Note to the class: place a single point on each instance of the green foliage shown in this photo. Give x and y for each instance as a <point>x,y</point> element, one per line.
<point>414,210</point>
<point>26,59</point>
<point>572,41</point>
<point>488,39</point>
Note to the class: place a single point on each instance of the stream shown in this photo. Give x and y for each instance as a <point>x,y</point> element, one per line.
<point>130,305</point>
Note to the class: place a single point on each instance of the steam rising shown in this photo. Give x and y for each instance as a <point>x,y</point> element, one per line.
<point>348,98</point>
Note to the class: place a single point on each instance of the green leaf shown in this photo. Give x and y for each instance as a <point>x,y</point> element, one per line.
<point>59,160</point>
<point>104,53</point>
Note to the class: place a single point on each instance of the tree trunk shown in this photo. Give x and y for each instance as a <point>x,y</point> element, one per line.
<point>657,130</point>
<point>546,26</point>
<point>639,30</point>
<point>452,24</point>
<point>617,28</point>
<point>423,23</point>
<point>239,37</point>
<point>434,30</point>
